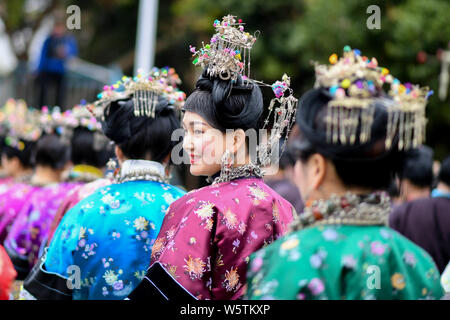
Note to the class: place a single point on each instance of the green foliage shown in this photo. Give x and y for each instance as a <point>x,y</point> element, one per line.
<point>293,33</point>
<point>14,9</point>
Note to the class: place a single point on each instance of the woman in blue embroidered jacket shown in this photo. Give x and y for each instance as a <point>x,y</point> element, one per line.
<point>103,244</point>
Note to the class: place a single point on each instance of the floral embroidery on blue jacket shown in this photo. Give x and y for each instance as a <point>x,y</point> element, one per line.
<point>109,236</point>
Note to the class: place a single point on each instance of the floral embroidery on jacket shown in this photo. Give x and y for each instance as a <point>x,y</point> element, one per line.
<point>120,239</point>
<point>215,229</point>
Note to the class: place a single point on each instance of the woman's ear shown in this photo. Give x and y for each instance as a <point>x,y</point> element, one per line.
<point>119,154</point>
<point>234,140</point>
<point>238,146</point>
<point>238,140</point>
<point>166,164</point>
<point>318,165</point>
<point>166,159</point>
<point>69,165</point>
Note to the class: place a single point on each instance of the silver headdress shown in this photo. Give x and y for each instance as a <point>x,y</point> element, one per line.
<point>354,82</point>
<point>283,107</point>
<point>408,116</point>
<point>228,54</point>
<point>64,124</point>
<point>144,90</point>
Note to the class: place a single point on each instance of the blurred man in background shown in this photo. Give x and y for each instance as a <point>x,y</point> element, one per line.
<point>426,221</point>
<point>282,183</point>
<point>57,49</point>
<point>417,178</point>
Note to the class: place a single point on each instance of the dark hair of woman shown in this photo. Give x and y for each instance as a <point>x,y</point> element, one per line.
<point>24,156</point>
<point>367,164</point>
<point>444,172</point>
<point>83,151</point>
<point>418,167</point>
<point>141,137</point>
<point>393,190</point>
<point>226,105</point>
<point>2,143</point>
<point>106,154</point>
<point>51,152</point>
<point>287,158</point>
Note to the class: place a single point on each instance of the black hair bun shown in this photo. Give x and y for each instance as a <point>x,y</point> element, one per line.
<point>205,82</point>
<point>163,108</point>
<point>235,105</point>
<point>51,151</point>
<point>444,171</point>
<point>120,124</point>
<point>116,123</point>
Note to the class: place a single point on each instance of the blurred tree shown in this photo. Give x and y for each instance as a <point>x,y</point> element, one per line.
<point>108,31</point>
<point>294,33</point>
<point>21,20</point>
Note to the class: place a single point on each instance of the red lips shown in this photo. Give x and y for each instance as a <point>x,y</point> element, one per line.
<point>193,158</point>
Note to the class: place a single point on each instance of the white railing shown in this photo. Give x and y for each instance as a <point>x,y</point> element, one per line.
<point>83,81</point>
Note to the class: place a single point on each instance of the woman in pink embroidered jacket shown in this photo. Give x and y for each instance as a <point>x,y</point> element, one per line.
<point>30,226</point>
<point>88,155</point>
<point>208,234</point>
<point>11,203</point>
<point>5,183</point>
<point>14,189</point>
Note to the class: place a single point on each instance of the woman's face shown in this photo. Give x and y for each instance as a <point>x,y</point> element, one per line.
<point>10,166</point>
<point>203,144</point>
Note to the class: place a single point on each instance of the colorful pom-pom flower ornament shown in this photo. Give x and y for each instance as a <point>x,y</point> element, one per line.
<point>19,124</point>
<point>228,54</point>
<point>354,82</point>
<point>144,90</point>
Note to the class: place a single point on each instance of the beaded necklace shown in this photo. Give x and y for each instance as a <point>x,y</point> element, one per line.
<point>245,171</point>
<point>133,170</point>
<point>350,209</point>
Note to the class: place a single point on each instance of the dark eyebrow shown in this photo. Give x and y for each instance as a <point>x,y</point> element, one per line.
<point>193,123</point>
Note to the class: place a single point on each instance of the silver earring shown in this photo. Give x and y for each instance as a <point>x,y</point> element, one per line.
<point>226,165</point>
<point>112,168</point>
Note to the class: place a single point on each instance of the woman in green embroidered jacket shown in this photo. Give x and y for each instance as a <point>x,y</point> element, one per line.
<point>350,146</point>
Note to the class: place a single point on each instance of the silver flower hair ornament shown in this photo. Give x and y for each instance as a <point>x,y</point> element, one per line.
<point>144,90</point>
<point>228,54</point>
